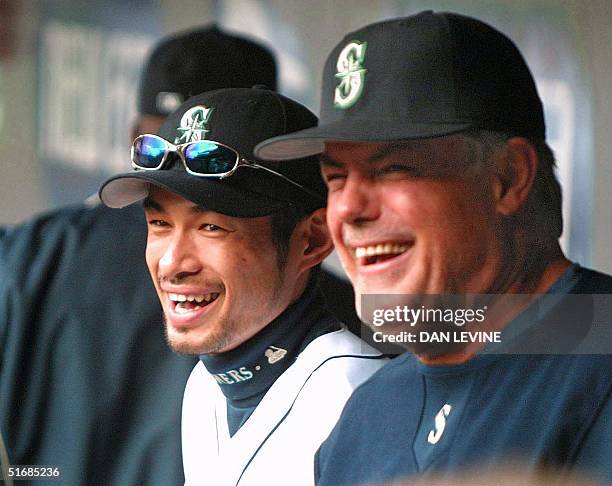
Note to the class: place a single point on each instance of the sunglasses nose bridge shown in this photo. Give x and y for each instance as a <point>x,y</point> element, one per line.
<point>180,151</point>
<point>174,154</point>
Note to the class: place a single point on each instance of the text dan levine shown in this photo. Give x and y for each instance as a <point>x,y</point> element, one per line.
<point>439,337</point>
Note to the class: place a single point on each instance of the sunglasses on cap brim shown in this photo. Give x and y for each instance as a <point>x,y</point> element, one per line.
<point>201,158</point>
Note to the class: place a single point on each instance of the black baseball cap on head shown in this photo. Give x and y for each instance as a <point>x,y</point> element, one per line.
<point>428,75</point>
<point>198,60</point>
<point>239,118</point>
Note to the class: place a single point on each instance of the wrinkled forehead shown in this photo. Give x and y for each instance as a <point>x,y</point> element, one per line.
<point>435,154</point>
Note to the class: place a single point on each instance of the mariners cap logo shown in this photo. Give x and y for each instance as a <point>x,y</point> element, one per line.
<point>194,125</point>
<point>351,73</point>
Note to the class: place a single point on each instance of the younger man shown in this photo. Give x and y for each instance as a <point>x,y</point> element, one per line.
<point>234,247</point>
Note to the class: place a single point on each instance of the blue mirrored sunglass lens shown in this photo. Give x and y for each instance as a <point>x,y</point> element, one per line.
<point>209,158</point>
<point>149,152</point>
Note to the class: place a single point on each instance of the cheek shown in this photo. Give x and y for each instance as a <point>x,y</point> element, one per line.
<point>457,228</point>
<point>250,261</point>
<point>153,253</point>
<point>334,223</point>
<point>440,207</point>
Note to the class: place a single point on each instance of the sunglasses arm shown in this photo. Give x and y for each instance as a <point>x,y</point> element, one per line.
<point>248,163</point>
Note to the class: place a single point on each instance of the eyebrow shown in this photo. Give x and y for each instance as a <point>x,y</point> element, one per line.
<point>327,160</point>
<point>151,204</point>
<point>384,151</point>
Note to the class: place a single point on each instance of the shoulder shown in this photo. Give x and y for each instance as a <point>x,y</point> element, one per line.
<point>328,370</point>
<point>343,356</point>
<point>591,372</point>
<point>30,229</point>
<point>392,385</point>
<point>57,224</point>
<point>593,282</point>
<point>387,382</point>
<point>571,376</point>
<point>29,249</point>
<point>341,342</point>
<point>395,373</point>
<point>43,234</point>
<point>379,407</point>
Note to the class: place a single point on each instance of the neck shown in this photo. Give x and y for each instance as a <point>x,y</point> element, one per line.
<point>249,370</point>
<point>528,278</point>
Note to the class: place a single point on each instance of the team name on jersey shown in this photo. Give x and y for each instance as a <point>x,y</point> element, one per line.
<point>230,377</point>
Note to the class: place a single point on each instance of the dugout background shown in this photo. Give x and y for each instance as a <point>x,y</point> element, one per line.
<point>69,69</point>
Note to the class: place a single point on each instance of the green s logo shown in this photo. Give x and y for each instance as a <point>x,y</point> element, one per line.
<point>351,73</point>
<point>194,125</point>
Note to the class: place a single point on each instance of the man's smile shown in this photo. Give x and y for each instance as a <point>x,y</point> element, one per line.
<point>183,303</point>
<point>379,252</point>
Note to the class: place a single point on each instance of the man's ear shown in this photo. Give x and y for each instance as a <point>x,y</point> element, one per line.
<point>145,124</point>
<point>315,239</point>
<point>134,131</point>
<point>516,177</point>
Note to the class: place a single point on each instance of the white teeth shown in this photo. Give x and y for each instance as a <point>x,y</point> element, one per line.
<point>198,299</point>
<point>380,249</point>
<point>179,309</point>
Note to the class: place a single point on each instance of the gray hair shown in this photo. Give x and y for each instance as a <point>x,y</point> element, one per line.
<point>544,203</point>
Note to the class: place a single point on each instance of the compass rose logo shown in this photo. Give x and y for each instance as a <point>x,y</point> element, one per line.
<point>351,74</point>
<point>194,125</point>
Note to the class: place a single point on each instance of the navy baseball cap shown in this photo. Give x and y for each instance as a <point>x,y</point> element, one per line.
<point>239,118</point>
<point>428,75</point>
<point>191,62</point>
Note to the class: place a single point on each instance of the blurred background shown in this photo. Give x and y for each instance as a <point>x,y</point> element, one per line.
<point>69,71</point>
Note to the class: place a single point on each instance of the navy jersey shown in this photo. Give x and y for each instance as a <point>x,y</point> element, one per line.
<point>87,381</point>
<point>536,410</point>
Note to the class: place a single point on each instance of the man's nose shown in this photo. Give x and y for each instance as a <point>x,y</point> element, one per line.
<point>357,201</point>
<point>180,257</point>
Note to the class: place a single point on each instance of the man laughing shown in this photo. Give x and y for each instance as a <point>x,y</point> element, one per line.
<point>234,248</point>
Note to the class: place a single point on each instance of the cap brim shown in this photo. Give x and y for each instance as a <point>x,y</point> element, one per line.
<point>311,141</point>
<point>214,194</point>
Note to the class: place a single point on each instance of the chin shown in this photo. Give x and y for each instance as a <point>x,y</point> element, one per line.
<point>402,287</point>
<point>187,344</point>
<point>184,348</point>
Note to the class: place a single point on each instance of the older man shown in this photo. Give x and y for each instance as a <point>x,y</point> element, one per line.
<point>441,184</point>
<point>234,246</point>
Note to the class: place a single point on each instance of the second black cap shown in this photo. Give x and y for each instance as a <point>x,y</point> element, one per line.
<point>198,60</point>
